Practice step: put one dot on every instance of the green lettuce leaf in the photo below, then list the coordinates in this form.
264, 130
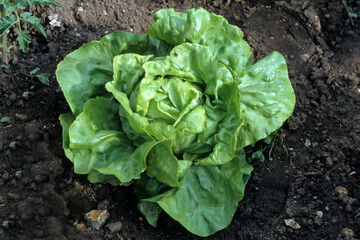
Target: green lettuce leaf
66, 120
98, 143
209, 197
83, 73
266, 97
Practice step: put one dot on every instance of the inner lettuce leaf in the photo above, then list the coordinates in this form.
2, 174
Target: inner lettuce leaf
171, 111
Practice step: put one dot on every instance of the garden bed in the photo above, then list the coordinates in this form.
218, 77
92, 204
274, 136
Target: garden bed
315, 153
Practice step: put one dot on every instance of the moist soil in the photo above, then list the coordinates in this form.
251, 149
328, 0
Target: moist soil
312, 167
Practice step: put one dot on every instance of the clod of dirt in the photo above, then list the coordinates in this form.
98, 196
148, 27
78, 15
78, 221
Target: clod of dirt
292, 223
55, 228
97, 218
25, 210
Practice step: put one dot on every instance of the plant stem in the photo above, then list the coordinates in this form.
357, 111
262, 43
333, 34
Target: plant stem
348, 11
4, 55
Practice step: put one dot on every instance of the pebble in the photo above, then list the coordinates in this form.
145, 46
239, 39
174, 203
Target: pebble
15, 60
12, 97
25, 210
104, 205
29, 159
97, 218
14, 196
80, 226
320, 214
38, 233
307, 143
115, 227
19, 174
341, 191
347, 233
5, 224
12, 145
318, 221
5, 176
304, 57
329, 161
348, 208
292, 223
21, 237
21, 117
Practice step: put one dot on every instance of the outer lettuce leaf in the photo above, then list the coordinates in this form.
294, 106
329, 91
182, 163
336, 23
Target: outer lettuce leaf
147, 188
209, 197
97, 177
99, 144
66, 120
266, 97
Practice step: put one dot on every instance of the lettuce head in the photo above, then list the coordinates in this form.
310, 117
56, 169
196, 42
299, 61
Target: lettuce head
172, 110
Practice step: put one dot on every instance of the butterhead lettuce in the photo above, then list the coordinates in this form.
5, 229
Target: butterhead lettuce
172, 110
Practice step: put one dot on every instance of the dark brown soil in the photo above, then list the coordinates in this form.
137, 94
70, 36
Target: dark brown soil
315, 152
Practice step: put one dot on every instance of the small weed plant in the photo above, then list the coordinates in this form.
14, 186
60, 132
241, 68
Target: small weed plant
13, 12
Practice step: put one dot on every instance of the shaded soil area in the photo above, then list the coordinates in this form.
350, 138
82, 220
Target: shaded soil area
312, 167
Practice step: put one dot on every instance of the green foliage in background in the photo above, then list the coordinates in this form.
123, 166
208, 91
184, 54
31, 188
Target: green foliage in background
10, 15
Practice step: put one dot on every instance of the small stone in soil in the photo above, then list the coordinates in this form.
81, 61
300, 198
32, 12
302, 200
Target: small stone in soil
347, 233
341, 191
292, 223
14, 196
319, 214
97, 218
304, 57
21, 117
12, 145
329, 161
5, 176
5, 224
115, 227
318, 221
80, 226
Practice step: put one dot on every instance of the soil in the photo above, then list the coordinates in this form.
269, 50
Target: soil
312, 169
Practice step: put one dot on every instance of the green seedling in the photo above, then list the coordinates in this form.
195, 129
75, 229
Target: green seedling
257, 155
42, 77
13, 13
4, 119
350, 14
